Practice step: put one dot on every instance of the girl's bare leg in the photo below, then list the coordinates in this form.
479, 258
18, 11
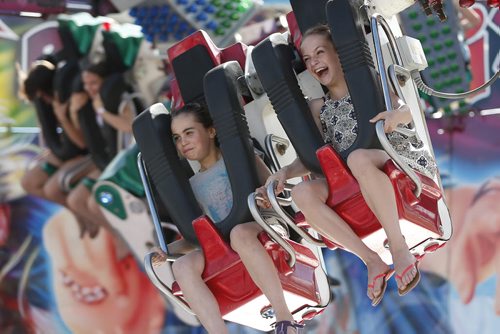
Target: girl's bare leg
33, 181
78, 200
310, 197
77, 203
52, 188
260, 266
187, 272
35, 178
378, 192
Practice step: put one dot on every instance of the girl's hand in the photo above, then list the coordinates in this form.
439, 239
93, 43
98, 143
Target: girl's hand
77, 101
281, 177
60, 110
393, 118
97, 102
262, 199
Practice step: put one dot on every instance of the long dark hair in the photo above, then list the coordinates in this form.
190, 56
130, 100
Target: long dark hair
40, 78
99, 69
200, 113
198, 110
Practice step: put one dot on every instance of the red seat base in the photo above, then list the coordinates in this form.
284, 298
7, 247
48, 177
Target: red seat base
231, 284
346, 200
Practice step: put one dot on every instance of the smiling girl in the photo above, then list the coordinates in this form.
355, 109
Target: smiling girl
335, 117
195, 139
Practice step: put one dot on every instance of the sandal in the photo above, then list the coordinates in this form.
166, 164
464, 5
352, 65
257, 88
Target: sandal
413, 283
282, 327
377, 299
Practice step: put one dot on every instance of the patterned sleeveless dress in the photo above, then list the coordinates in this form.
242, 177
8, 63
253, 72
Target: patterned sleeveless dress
340, 129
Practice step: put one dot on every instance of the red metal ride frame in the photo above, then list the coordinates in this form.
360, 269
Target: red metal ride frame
236, 52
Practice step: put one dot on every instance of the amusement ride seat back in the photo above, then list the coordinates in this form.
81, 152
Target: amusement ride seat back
192, 58
102, 139
58, 141
424, 218
239, 298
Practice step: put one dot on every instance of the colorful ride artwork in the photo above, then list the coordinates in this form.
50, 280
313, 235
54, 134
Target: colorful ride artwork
56, 279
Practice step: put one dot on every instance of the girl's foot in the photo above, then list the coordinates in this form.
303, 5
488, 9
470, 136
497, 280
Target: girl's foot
378, 273
406, 268
288, 327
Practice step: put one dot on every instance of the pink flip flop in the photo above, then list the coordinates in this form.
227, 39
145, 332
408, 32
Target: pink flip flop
413, 283
388, 274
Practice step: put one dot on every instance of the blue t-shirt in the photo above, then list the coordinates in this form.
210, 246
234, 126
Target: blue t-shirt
212, 190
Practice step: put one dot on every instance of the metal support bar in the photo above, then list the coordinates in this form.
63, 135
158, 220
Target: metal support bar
269, 142
149, 196
273, 199
272, 233
377, 19
148, 265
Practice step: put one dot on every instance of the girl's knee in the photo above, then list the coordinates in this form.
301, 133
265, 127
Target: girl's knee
76, 200
72, 201
33, 181
359, 161
357, 158
305, 193
178, 268
243, 234
49, 192
188, 265
300, 192
52, 189
27, 183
